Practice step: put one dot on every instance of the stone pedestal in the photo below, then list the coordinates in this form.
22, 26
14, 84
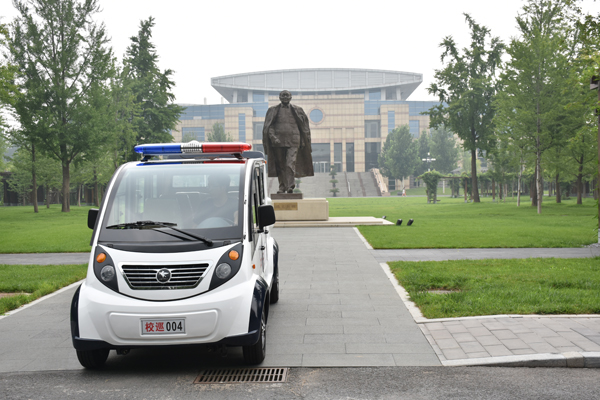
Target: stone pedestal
301, 209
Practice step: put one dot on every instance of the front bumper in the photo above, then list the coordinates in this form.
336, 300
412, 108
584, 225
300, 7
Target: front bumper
103, 319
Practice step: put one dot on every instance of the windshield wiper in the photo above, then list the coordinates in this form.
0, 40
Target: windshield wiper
155, 224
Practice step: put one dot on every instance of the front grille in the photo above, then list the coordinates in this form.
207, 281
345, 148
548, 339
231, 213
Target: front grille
182, 276
238, 375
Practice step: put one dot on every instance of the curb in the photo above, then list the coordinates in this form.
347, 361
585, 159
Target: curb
36, 301
564, 360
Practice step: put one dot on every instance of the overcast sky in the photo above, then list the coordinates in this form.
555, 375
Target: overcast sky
209, 38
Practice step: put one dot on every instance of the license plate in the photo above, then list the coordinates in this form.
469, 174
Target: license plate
163, 326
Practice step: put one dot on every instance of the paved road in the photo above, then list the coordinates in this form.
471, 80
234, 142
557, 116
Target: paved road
171, 381
338, 307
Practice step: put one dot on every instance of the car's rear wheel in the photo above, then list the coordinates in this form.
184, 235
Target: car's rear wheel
255, 354
274, 297
92, 359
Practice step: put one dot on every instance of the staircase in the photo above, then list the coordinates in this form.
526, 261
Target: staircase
362, 184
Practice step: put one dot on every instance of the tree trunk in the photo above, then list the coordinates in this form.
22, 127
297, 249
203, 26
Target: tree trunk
66, 207
474, 189
34, 191
558, 199
540, 188
579, 184
493, 190
466, 188
519, 187
47, 196
78, 195
533, 192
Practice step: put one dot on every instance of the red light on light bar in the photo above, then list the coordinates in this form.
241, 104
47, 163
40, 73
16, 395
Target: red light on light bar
225, 147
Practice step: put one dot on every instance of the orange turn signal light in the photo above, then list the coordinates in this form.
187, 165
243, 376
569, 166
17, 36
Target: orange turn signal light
101, 257
234, 255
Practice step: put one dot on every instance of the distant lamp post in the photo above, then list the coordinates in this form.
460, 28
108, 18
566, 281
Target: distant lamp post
428, 160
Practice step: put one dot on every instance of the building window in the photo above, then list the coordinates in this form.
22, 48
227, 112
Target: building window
391, 184
242, 127
375, 95
337, 156
258, 97
321, 157
414, 128
316, 116
372, 151
372, 129
192, 133
349, 157
390, 94
242, 97
257, 127
391, 120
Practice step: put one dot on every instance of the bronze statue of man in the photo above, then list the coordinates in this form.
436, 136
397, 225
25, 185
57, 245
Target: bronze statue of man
286, 140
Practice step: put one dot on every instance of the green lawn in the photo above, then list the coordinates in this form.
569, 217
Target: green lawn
49, 231
454, 224
490, 287
35, 281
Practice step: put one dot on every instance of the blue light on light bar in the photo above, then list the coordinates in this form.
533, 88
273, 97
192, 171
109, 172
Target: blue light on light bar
158, 149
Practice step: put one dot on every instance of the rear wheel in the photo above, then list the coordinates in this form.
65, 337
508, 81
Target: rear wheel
92, 359
274, 297
255, 354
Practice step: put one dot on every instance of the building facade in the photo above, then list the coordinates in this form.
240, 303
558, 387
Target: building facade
351, 111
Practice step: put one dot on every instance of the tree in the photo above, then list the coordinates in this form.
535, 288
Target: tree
398, 158
424, 151
444, 149
61, 54
218, 134
152, 90
467, 84
535, 89
20, 179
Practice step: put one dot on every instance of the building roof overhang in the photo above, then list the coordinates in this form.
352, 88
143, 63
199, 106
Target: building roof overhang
317, 80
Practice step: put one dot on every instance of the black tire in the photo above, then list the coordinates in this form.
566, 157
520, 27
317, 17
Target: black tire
255, 354
92, 359
274, 297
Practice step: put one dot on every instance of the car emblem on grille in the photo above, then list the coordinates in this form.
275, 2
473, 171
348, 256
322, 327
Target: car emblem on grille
163, 275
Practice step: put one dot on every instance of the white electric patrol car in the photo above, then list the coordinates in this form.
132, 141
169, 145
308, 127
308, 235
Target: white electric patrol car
181, 254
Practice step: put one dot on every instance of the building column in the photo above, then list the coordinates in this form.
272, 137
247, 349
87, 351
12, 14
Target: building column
398, 93
235, 93
383, 95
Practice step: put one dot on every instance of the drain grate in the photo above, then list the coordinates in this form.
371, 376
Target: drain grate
239, 375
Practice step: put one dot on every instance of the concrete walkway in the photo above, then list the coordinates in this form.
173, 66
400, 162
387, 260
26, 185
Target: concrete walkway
339, 306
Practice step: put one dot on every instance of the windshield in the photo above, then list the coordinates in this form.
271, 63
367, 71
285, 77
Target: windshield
202, 199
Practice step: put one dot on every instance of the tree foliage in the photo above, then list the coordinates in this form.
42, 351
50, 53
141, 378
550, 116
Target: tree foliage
151, 89
62, 58
218, 134
399, 158
467, 85
535, 89
444, 149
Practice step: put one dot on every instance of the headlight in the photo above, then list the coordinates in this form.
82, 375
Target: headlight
223, 271
107, 273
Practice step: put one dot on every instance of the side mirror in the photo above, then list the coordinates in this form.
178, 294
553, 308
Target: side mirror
92, 217
266, 216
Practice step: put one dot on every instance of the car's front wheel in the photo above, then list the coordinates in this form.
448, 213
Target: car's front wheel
92, 359
255, 354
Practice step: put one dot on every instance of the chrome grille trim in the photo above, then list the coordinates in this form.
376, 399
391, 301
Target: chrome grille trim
143, 277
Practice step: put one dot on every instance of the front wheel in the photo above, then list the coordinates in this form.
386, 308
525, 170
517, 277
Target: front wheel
92, 359
255, 354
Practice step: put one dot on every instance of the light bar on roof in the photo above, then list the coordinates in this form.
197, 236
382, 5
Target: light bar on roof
192, 147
